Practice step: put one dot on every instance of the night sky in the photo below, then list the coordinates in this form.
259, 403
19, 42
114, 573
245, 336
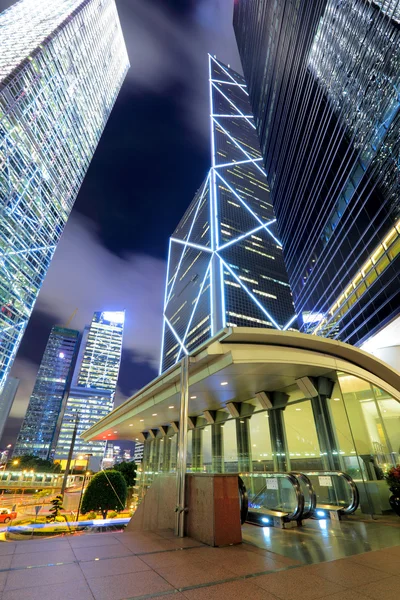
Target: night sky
152, 157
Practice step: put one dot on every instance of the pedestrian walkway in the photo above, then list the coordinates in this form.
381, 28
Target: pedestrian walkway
121, 566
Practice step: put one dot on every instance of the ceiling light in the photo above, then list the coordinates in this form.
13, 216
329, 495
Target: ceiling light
137, 439
154, 415
171, 406
224, 383
337, 399
115, 431
193, 397
130, 424
141, 420
108, 433
298, 408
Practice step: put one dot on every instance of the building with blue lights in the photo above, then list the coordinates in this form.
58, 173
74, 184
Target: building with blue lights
324, 87
39, 428
225, 266
61, 67
94, 381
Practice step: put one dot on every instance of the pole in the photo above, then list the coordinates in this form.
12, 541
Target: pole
83, 485
70, 453
182, 448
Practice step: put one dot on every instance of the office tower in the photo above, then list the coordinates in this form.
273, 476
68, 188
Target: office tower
225, 264
39, 426
61, 67
7, 397
324, 81
91, 395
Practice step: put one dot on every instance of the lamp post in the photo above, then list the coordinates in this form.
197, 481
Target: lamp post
83, 485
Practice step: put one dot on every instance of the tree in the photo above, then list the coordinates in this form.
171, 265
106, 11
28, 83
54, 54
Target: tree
30, 462
56, 508
128, 471
106, 491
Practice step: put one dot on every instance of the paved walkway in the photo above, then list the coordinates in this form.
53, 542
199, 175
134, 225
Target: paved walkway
153, 565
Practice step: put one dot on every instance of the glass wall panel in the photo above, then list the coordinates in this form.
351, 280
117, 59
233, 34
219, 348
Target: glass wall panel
373, 444
173, 450
390, 414
301, 436
262, 459
189, 456
230, 447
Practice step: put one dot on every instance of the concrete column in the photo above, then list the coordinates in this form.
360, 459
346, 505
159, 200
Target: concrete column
182, 448
217, 447
278, 440
197, 449
243, 444
166, 461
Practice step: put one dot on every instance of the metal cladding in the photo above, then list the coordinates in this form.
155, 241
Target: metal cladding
324, 84
61, 67
225, 264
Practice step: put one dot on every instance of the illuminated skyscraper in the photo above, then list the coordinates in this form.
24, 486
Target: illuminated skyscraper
61, 67
39, 427
225, 264
91, 395
7, 398
324, 81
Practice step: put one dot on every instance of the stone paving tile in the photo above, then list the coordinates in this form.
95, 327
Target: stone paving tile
194, 573
94, 539
113, 566
7, 548
349, 594
24, 578
130, 585
31, 559
5, 561
41, 545
345, 572
72, 590
103, 551
296, 585
3, 579
234, 590
386, 589
144, 547
383, 561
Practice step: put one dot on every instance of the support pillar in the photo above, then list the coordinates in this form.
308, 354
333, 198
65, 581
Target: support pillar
278, 440
323, 421
243, 444
217, 448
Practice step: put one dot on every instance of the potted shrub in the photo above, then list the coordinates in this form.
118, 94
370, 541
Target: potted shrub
393, 480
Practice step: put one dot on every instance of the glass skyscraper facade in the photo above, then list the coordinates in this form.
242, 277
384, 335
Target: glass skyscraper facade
7, 398
61, 67
324, 80
225, 266
39, 428
91, 395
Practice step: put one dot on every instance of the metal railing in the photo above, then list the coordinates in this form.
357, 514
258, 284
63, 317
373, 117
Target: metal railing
345, 507
265, 498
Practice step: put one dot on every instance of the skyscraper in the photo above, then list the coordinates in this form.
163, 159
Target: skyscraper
7, 397
324, 82
39, 426
61, 67
91, 395
225, 264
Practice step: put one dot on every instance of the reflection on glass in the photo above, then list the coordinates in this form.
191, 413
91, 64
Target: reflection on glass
230, 447
302, 438
261, 450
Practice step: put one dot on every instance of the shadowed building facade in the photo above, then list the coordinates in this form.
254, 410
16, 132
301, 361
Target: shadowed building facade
61, 67
323, 80
225, 264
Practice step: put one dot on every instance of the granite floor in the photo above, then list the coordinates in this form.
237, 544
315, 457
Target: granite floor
121, 566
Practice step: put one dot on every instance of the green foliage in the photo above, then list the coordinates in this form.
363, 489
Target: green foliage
42, 494
27, 462
56, 508
92, 515
112, 514
106, 491
128, 471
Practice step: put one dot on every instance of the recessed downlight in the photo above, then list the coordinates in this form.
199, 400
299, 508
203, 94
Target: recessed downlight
154, 415
141, 420
115, 431
224, 383
130, 424
298, 408
193, 397
171, 406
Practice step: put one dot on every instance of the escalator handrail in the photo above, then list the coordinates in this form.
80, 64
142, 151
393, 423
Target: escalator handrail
297, 513
312, 495
244, 504
355, 496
